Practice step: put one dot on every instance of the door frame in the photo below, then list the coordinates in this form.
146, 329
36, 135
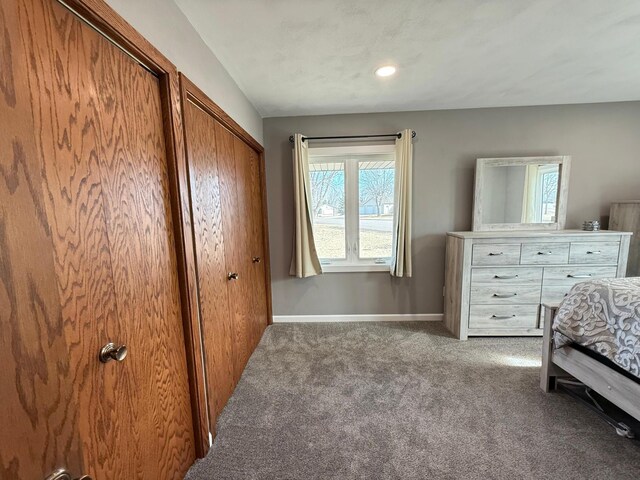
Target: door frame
100, 16
190, 92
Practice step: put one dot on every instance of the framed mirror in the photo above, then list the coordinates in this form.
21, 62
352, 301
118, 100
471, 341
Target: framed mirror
521, 193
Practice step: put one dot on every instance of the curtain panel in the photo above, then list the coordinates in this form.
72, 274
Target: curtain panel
304, 260
401, 249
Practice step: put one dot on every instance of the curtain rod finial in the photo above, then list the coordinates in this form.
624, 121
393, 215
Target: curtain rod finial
291, 138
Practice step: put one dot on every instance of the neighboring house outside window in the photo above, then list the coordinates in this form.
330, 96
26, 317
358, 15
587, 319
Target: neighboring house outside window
352, 191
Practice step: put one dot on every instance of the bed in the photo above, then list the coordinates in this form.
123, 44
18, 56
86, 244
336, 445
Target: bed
594, 336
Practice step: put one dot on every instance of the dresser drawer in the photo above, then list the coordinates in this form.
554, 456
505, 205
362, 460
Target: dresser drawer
594, 252
496, 254
503, 316
569, 276
505, 275
544, 253
505, 295
554, 294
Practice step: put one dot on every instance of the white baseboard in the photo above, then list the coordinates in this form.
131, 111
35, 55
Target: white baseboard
393, 317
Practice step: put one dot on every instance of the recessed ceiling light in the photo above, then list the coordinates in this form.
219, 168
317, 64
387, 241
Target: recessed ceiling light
386, 71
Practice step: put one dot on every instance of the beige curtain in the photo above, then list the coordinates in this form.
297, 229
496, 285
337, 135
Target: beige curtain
529, 194
304, 260
401, 260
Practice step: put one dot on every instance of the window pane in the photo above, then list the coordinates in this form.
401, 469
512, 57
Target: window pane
549, 196
375, 189
328, 202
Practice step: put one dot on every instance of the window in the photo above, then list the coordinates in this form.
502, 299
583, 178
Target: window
540, 197
352, 191
548, 186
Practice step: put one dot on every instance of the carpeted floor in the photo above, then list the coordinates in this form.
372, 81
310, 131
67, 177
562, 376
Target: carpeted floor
405, 401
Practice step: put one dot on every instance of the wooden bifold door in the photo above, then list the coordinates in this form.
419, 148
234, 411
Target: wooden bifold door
226, 184
88, 253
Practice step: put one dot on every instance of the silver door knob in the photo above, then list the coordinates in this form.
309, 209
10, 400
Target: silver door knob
232, 276
111, 351
62, 474
256, 259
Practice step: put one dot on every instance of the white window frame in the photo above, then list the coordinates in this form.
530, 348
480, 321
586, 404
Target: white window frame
352, 262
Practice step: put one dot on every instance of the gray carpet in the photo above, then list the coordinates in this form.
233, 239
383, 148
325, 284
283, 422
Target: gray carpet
405, 401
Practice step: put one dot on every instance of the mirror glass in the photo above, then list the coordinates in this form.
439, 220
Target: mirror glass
520, 193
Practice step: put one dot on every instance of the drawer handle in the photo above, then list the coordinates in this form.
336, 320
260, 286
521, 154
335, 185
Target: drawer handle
505, 277
495, 254
502, 317
593, 252
545, 253
588, 275
505, 295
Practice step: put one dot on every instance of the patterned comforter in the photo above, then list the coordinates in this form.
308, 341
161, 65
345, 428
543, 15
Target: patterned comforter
604, 316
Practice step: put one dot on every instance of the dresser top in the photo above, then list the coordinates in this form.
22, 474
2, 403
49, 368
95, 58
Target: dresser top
536, 233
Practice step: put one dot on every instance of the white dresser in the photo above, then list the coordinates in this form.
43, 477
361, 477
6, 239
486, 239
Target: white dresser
495, 282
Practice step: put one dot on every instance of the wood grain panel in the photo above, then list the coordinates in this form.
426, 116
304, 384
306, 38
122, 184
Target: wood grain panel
200, 98
68, 145
115, 27
261, 316
187, 276
265, 236
226, 193
217, 323
245, 226
625, 217
503, 316
505, 294
594, 252
155, 432
38, 422
495, 254
505, 275
235, 247
89, 212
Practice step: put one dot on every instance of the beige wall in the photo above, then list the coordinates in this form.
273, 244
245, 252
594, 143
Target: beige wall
603, 139
167, 28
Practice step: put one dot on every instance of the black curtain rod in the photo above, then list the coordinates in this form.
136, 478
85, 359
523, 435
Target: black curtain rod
347, 137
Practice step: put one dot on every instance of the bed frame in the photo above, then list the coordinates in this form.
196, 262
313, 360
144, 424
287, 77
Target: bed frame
567, 361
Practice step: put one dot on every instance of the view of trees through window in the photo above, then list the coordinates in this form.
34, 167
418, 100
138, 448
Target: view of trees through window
549, 183
352, 202
329, 203
375, 188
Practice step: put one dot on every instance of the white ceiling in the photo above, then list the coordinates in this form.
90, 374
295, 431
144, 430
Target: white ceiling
307, 57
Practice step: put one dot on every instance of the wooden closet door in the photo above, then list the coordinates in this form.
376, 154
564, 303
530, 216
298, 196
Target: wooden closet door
236, 246
259, 247
38, 410
149, 392
216, 320
250, 197
90, 258
244, 230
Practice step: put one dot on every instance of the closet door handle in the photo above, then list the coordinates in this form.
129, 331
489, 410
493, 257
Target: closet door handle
256, 259
232, 276
505, 295
111, 351
62, 474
